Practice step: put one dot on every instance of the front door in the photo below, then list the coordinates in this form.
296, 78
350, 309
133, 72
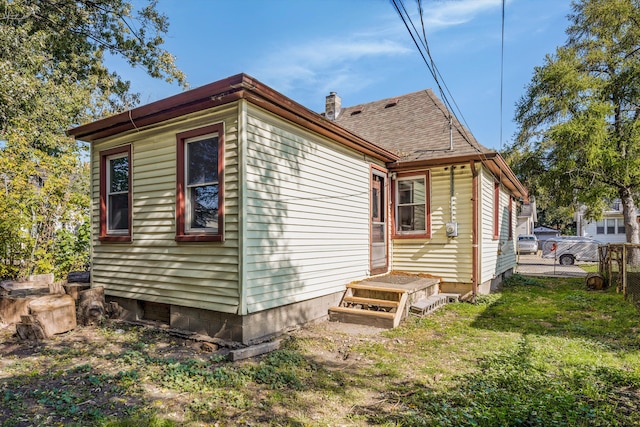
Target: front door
378, 250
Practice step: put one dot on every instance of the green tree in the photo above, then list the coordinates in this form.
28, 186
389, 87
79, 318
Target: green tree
579, 129
53, 76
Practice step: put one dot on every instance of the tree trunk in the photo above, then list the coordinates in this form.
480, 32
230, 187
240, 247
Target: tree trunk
630, 225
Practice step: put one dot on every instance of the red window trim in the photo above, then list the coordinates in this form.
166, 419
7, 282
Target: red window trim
181, 235
496, 210
103, 235
399, 235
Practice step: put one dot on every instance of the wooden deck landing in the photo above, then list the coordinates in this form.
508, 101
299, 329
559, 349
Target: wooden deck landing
382, 301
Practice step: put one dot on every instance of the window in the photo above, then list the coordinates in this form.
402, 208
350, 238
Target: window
115, 195
610, 226
412, 206
199, 191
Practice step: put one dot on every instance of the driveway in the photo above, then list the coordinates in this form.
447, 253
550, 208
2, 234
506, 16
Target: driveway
534, 265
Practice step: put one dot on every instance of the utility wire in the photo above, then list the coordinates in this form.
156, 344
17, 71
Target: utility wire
435, 73
501, 72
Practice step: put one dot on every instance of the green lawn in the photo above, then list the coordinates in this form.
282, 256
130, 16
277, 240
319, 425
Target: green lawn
544, 352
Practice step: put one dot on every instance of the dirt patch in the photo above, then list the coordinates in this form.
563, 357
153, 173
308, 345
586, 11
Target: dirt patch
119, 370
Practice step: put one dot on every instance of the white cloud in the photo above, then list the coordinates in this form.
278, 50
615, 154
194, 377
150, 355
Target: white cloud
302, 64
309, 69
450, 13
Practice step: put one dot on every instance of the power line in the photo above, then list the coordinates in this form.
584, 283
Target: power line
431, 66
501, 72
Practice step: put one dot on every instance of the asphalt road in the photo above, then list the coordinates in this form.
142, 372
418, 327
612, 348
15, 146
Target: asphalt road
534, 265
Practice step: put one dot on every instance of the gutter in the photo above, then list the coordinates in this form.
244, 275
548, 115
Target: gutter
226, 91
492, 160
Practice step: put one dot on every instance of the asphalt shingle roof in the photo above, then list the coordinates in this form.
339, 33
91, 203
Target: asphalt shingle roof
414, 126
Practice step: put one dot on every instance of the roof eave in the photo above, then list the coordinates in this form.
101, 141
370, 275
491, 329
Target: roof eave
240, 86
492, 160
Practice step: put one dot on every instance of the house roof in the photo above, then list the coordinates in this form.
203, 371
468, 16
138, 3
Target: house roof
420, 118
419, 129
234, 88
543, 229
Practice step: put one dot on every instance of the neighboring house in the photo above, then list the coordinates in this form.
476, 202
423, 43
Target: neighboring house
234, 211
609, 229
527, 217
545, 233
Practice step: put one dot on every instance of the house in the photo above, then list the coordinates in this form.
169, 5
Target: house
609, 229
545, 233
527, 217
234, 211
453, 201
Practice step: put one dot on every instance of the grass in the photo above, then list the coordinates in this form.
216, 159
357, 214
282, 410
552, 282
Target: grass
591, 267
543, 352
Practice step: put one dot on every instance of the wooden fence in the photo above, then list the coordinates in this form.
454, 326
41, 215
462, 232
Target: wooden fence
620, 265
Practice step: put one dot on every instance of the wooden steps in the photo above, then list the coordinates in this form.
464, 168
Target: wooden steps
382, 307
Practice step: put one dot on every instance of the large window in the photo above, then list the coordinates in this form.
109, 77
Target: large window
412, 206
115, 194
610, 226
199, 194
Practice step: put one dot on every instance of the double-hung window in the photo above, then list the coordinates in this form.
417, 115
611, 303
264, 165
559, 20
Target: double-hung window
199, 192
115, 194
412, 217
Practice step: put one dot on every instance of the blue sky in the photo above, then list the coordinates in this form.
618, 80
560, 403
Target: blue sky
362, 50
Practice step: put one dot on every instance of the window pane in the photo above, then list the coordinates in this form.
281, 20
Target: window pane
600, 227
204, 207
119, 175
411, 218
419, 217
377, 231
611, 226
202, 161
118, 215
621, 229
419, 193
405, 192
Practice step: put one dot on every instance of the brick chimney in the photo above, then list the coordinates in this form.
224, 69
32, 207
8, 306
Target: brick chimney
332, 106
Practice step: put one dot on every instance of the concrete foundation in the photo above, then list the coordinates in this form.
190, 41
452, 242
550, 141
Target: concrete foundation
248, 329
494, 284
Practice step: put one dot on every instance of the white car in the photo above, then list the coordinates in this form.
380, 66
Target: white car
527, 244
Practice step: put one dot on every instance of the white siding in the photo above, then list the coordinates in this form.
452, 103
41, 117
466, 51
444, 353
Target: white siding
306, 213
590, 230
154, 267
496, 255
441, 256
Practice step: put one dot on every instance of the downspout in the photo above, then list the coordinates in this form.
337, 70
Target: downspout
474, 232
